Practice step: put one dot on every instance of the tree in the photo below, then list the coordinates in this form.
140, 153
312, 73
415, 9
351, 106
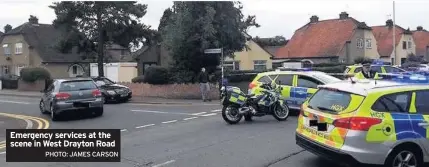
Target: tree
7, 28
198, 25
275, 41
165, 19
93, 24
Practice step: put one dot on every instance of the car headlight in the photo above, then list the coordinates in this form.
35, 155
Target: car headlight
111, 92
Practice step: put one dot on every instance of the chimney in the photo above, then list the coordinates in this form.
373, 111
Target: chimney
33, 20
419, 28
314, 19
344, 15
389, 23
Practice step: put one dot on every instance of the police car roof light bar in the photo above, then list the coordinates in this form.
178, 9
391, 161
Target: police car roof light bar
413, 78
378, 62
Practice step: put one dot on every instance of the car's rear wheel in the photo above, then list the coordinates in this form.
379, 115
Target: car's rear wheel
99, 112
54, 115
42, 107
404, 157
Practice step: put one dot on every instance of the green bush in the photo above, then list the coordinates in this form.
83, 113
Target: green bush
138, 79
31, 74
156, 75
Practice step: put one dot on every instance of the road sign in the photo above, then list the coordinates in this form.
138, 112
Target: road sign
213, 51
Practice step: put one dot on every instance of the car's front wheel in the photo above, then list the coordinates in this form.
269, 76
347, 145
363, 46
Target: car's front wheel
99, 112
42, 107
54, 114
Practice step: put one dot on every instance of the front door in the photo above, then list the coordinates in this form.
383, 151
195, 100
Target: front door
421, 121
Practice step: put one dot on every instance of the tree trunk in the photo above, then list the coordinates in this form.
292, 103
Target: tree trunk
100, 59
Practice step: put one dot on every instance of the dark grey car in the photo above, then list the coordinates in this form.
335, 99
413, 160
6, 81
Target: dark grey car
74, 94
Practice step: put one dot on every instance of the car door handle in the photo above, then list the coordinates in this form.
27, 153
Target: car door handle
424, 124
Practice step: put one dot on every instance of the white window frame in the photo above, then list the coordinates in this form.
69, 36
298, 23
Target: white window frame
259, 64
231, 64
409, 43
368, 43
6, 49
359, 43
18, 48
18, 69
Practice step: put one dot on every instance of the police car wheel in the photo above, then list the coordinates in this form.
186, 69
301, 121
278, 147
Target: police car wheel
404, 157
231, 114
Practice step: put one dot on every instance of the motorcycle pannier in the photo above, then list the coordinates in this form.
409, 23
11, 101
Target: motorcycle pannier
236, 96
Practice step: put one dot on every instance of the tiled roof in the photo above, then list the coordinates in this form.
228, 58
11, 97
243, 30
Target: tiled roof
384, 37
272, 49
421, 38
319, 39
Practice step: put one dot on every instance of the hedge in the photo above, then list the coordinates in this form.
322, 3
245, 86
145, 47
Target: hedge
31, 74
156, 75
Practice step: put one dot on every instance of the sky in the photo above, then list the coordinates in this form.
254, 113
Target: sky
276, 17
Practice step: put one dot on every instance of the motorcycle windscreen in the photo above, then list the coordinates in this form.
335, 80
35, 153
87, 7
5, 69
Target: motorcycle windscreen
318, 114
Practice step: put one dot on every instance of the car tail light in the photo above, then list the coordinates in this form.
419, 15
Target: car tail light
62, 96
252, 85
357, 123
96, 93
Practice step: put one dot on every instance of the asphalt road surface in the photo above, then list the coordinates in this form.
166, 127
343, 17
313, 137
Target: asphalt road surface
179, 136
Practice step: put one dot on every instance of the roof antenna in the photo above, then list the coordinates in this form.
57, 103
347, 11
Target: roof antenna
351, 79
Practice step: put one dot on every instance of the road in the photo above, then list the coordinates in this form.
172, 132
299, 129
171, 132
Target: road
179, 136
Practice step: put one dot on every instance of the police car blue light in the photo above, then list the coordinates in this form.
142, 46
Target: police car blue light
378, 62
413, 78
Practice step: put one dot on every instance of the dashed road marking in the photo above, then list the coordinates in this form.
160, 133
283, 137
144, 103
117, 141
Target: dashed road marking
165, 163
123, 130
138, 127
218, 110
16, 102
208, 115
190, 118
199, 113
166, 122
161, 112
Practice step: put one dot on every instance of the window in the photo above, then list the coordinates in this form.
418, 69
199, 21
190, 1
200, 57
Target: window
390, 69
77, 85
307, 82
18, 48
359, 43
231, 65
376, 69
398, 102
422, 106
260, 65
265, 79
368, 43
284, 79
5, 69
6, 49
409, 44
358, 69
18, 70
332, 101
74, 69
103, 81
404, 45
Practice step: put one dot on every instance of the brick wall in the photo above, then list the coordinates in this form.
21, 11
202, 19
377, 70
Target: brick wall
171, 91
31, 86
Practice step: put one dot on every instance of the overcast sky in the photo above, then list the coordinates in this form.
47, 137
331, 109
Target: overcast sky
276, 17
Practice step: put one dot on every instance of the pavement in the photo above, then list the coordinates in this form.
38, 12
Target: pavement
169, 135
135, 99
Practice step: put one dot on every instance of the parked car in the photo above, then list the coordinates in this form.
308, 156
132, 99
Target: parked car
112, 91
67, 95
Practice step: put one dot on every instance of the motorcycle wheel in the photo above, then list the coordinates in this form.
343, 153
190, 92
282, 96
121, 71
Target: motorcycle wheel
280, 113
231, 115
248, 117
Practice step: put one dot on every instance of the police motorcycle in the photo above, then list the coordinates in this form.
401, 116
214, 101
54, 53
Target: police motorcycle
237, 104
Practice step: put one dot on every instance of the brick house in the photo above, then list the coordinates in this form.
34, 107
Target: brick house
404, 42
335, 40
421, 39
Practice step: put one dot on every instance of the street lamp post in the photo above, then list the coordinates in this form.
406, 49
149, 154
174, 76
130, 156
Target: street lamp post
217, 51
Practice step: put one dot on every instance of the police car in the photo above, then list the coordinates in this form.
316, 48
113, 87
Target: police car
382, 122
297, 85
376, 67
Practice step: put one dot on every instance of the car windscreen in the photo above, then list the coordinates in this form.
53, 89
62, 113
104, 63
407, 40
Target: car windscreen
68, 86
334, 101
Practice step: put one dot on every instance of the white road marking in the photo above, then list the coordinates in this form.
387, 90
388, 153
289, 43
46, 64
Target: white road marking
16, 102
189, 118
138, 127
123, 130
4, 152
160, 112
218, 110
166, 122
199, 113
208, 115
165, 163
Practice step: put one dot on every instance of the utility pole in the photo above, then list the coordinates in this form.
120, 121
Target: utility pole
394, 37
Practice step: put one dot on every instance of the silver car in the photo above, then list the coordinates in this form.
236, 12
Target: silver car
65, 95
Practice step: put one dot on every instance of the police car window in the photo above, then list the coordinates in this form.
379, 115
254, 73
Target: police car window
358, 69
330, 100
307, 82
264, 79
393, 103
376, 69
392, 69
422, 105
284, 79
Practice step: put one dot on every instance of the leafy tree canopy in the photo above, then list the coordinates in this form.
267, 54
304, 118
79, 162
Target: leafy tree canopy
275, 41
194, 26
7, 28
90, 25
